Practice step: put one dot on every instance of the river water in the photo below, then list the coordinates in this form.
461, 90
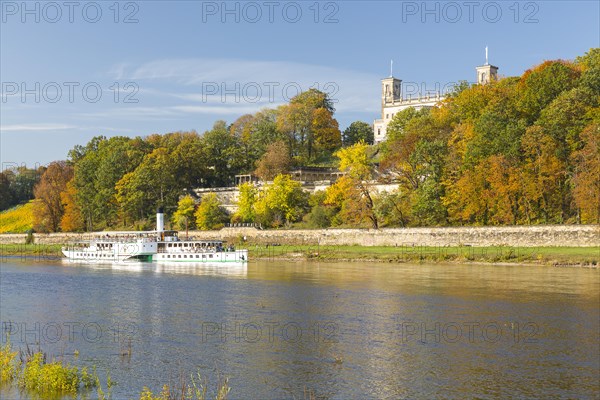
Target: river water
336, 331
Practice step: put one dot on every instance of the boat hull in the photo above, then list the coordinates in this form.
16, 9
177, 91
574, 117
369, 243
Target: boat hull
221, 257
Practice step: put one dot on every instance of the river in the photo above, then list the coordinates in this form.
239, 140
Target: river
288, 330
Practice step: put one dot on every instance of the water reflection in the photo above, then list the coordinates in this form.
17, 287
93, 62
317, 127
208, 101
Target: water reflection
341, 330
232, 270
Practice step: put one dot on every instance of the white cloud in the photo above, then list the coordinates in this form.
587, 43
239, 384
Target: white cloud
277, 81
35, 127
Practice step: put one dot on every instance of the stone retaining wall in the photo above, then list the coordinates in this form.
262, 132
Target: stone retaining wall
522, 236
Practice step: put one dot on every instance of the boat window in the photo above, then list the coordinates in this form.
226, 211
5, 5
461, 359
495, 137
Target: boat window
210, 256
180, 256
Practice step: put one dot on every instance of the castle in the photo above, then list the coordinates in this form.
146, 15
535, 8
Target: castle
392, 100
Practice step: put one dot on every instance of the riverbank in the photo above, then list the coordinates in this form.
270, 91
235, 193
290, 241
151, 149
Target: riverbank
473, 236
554, 256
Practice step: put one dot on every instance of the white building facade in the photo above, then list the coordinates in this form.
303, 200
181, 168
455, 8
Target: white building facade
392, 100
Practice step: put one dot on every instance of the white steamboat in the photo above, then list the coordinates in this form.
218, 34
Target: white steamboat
159, 246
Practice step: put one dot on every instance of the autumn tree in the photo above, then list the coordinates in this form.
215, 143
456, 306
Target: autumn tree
48, 205
355, 161
275, 161
543, 177
308, 123
586, 181
210, 214
326, 131
281, 202
72, 219
184, 215
248, 194
346, 202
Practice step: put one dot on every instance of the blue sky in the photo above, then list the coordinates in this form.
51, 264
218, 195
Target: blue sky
71, 72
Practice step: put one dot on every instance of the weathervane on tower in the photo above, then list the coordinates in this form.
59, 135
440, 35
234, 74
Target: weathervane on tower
391, 68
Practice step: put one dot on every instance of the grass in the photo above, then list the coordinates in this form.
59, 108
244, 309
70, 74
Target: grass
18, 219
31, 250
194, 389
537, 255
32, 373
494, 254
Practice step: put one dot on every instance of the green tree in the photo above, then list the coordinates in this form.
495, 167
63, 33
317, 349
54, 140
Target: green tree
395, 128
542, 84
224, 155
248, 194
210, 214
281, 203
6, 194
320, 215
184, 215
358, 131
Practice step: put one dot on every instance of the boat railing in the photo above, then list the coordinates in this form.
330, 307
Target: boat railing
115, 240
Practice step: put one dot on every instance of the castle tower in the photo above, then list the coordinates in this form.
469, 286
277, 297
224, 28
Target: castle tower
390, 92
486, 73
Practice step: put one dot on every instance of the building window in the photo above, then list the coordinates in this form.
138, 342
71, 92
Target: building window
387, 116
378, 132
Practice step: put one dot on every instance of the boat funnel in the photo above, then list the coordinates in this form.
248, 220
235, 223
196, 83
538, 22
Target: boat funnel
160, 220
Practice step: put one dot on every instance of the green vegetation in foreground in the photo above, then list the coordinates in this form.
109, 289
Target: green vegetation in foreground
195, 390
539, 255
18, 219
57, 379
33, 373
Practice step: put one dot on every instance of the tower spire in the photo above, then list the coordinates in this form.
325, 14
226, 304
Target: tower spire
391, 68
486, 55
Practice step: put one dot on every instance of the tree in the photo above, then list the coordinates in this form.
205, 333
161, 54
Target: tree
248, 194
355, 161
543, 177
347, 202
586, 182
320, 215
184, 216
393, 208
309, 111
358, 131
72, 219
275, 161
6, 194
151, 184
48, 205
210, 214
326, 131
281, 203
395, 128
224, 155
542, 84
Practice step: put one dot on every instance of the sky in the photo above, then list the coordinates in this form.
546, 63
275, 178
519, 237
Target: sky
72, 70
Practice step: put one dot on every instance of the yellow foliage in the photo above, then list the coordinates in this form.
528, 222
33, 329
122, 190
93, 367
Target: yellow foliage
18, 219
